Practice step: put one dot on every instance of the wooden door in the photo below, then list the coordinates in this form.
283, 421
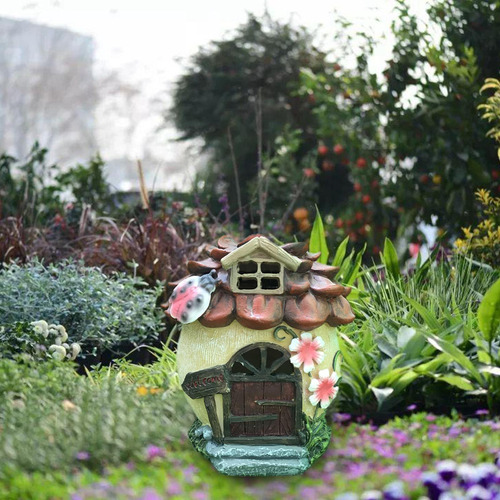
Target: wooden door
263, 394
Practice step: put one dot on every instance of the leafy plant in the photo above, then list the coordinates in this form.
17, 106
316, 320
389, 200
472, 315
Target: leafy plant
418, 336
483, 241
99, 312
53, 419
491, 110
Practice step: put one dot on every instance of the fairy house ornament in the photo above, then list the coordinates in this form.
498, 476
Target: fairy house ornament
258, 354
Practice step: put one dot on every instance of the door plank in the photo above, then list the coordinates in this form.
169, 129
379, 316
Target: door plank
253, 392
237, 407
287, 420
272, 391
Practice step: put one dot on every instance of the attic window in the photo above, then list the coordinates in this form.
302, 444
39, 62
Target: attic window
255, 276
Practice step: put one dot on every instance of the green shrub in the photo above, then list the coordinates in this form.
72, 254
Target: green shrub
98, 312
52, 419
418, 340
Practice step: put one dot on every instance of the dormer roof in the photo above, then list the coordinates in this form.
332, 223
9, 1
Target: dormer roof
260, 244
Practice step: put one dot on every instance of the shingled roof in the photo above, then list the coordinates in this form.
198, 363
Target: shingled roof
310, 299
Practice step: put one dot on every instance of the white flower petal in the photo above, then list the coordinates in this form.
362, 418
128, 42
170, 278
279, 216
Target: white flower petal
314, 385
319, 357
325, 403
314, 399
334, 377
306, 336
324, 374
308, 366
319, 342
294, 345
295, 361
335, 392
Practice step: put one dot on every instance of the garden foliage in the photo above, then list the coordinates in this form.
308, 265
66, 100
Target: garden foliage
53, 419
98, 312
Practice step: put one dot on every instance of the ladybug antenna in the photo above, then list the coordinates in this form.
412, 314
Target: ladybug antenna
208, 281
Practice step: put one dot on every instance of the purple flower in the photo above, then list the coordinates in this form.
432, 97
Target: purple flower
189, 472
434, 484
153, 452
447, 469
82, 455
487, 474
394, 491
430, 418
150, 494
199, 495
477, 492
174, 488
482, 412
412, 407
308, 493
341, 417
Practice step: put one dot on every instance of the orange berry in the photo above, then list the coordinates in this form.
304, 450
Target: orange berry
322, 150
304, 225
300, 213
327, 165
338, 149
361, 162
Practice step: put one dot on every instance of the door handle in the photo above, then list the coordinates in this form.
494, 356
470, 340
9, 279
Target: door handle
272, 402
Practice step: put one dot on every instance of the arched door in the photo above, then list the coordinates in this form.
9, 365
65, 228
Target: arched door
265, 395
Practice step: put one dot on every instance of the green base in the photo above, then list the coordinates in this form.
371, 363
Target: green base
258, 460
265, 460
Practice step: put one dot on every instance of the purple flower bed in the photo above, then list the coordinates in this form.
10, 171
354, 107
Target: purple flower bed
408, 458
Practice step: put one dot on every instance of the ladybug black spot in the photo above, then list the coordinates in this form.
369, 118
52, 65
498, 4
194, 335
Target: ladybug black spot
199, 298
174, 295
189, 304
184, 317
183, 289
190, 282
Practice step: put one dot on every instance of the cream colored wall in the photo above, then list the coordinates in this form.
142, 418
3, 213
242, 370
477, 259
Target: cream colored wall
201, 347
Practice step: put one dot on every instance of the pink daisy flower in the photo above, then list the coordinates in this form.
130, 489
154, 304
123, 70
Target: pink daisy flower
308, 351
324, 389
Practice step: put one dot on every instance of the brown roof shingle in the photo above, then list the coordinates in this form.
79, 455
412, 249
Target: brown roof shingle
310, 299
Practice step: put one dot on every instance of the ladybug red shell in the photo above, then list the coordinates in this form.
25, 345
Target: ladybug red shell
191, 297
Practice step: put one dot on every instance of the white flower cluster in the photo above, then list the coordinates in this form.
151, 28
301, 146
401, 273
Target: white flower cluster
60, 349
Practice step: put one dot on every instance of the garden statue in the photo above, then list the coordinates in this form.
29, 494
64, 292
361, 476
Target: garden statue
258, 355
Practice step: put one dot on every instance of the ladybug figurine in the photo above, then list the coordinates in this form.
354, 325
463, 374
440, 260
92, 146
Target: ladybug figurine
191, 297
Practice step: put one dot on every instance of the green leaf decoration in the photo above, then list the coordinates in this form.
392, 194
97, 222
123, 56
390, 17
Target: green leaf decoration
391, 259
488, 314
317, 242
340, 253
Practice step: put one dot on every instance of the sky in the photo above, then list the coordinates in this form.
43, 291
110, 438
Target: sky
150, 41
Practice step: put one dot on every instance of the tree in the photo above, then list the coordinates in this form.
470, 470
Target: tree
258, 67
47, 91
440, 129
412, 142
